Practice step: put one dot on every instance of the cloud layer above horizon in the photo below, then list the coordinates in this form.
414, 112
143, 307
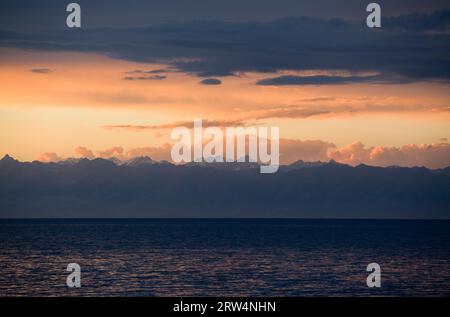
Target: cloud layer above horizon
408, 48
313, 69
433, 156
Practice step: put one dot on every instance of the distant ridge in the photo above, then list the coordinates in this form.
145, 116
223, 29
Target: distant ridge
8, 160
138, 161
142, 160
143, 187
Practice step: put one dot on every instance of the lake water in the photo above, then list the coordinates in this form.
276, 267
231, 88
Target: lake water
224, 257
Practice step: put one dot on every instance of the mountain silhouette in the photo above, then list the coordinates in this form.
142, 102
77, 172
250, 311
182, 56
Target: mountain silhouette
139, 161
145, 188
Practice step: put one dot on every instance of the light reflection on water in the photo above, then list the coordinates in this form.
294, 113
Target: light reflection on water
224, 257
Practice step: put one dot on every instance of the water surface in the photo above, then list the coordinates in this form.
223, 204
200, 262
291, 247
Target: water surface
232, 257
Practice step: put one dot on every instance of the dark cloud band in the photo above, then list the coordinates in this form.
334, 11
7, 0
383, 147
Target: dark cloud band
411, 47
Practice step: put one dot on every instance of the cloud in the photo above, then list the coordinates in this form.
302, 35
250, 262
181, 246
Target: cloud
317, 99
115, 151
119, 98
83, 152
157, 153
142, 12
340, 107
154, 77
437, 21
329, 80
41, 70
435, 155
302, 111
152, 71
127, 97
187, 124
291, 112
49, 157
306, 150
410, 47
353, 154
210, 81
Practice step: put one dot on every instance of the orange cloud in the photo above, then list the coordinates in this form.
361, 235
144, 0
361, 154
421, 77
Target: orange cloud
116, 151
187, 124
431, 156
83, 152
158, 153
353, 154
49, 157
307, 150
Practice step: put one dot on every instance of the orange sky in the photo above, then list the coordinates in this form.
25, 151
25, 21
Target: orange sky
71, 105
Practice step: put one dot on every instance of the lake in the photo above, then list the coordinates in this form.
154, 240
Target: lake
224, 257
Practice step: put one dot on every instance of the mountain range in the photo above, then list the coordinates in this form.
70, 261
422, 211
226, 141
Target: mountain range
142, 187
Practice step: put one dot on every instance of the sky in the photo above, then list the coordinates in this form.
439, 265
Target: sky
337, 89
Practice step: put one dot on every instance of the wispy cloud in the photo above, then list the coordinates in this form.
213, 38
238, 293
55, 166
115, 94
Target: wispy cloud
210, 81
153, 77
330, 80
187, 124
152, 71
41, 70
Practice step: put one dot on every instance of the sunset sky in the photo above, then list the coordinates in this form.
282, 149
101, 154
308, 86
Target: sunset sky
336, 89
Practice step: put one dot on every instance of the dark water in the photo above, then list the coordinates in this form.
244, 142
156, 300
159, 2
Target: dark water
224, 257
